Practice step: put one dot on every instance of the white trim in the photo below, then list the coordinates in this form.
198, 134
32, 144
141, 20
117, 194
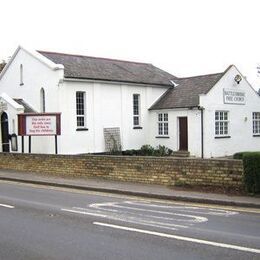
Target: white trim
11, 102
222, 121
35, 55
138, 108
163, 122
84, 116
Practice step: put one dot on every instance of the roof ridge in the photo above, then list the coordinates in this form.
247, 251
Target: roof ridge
93, 57
212, 74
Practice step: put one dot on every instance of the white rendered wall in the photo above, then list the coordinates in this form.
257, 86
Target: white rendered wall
240, 118
107, 105
36, 75
194, 130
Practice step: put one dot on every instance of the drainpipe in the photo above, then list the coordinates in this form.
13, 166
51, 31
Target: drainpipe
202, 130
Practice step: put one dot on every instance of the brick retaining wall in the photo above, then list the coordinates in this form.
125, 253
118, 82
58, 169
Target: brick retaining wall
155, 170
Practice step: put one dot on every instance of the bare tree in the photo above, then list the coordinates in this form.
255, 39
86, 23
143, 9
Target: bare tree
2, 65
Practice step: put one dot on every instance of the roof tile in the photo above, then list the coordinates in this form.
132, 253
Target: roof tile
85, 67
186, 93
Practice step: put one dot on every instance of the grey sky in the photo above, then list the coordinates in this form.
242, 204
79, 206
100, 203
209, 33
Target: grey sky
184, 37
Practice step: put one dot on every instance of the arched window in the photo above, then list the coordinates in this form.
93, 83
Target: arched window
42, 100
21, 74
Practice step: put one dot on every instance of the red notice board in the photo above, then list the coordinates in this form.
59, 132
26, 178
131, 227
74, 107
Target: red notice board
39, 124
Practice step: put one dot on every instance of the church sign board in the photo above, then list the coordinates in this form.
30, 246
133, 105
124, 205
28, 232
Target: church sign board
232, 96
37, 124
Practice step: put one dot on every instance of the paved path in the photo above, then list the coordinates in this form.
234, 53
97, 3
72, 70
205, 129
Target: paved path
145, 190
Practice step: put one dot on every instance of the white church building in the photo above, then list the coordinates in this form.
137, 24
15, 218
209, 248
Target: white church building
108, 104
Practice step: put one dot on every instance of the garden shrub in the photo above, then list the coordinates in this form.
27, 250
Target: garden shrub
251, 162
163, 151
148, 150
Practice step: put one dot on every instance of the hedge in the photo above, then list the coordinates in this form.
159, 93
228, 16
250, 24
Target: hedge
251, 161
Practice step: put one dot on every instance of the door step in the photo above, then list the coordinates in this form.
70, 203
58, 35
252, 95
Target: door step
181, 154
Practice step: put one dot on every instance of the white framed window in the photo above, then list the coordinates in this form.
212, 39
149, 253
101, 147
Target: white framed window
221, 123
256, 123
136, 110
81, 109
21, 75
163, 124
42, 100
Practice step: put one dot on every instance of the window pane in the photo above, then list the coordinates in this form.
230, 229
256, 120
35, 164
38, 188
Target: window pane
221, 128
136, 120
221, 116
166, 128
225, 116
217, 128
160, 128
80, 121
216, 116
256, 122
159, 117
136, 104
80, 108
221, 123
225, 128
165, 117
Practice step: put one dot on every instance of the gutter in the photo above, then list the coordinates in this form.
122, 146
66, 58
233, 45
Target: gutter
202, 129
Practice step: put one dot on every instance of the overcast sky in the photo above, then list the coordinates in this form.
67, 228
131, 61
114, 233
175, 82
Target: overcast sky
183, 37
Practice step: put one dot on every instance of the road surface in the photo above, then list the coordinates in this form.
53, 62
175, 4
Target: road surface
38, 222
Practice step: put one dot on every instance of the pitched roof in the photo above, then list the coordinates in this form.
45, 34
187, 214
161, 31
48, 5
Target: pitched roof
186, 93
27, 107
84, 67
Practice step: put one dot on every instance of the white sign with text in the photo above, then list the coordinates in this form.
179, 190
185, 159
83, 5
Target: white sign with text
232, 96
41, 125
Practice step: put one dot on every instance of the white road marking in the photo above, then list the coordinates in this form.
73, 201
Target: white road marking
133, 221
7, 206
143, 213
186, 218
188, 239
125, 218
85, 213
200, 210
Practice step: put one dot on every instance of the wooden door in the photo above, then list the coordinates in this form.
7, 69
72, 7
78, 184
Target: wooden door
183, 134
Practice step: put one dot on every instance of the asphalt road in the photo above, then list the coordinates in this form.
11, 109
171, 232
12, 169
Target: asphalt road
53, 223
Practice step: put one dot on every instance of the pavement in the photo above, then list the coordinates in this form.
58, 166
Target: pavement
129, 188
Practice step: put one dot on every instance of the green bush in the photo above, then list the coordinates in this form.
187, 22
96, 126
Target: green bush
240, 155
162, 151
251, 162
148, 150
129, 152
